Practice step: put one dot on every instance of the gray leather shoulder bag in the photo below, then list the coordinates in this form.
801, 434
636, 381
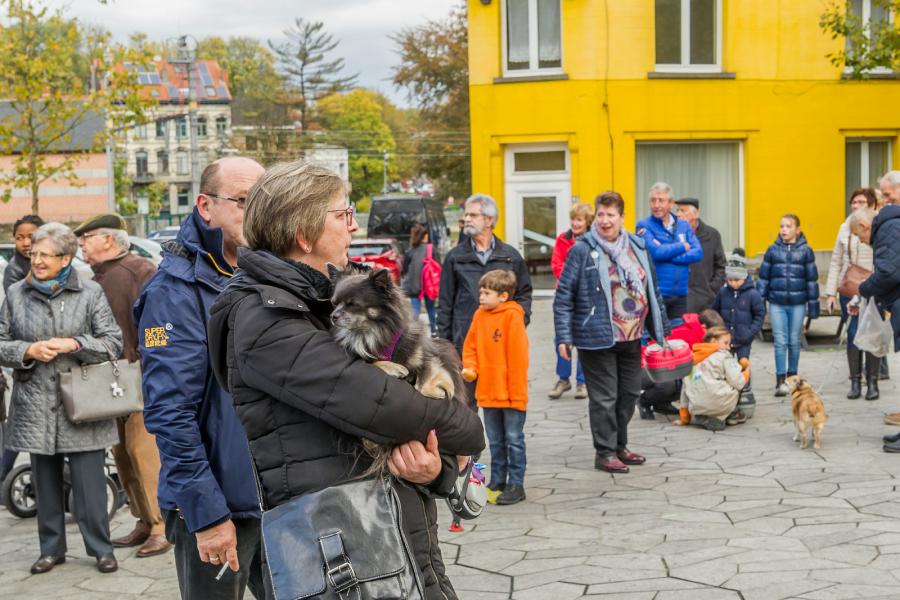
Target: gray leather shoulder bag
101, 391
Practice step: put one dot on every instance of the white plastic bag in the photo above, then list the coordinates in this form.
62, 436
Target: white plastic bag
874, 334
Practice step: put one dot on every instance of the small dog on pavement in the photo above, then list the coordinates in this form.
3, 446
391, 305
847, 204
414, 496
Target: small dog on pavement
808, 409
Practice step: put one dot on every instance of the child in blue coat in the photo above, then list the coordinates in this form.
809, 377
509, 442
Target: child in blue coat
740, 305
789, 281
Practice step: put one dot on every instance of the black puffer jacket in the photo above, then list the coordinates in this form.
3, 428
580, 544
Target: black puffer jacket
305, 403
884, 282
788, 275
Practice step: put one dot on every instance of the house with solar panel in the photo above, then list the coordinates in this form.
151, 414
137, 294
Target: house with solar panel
160, 151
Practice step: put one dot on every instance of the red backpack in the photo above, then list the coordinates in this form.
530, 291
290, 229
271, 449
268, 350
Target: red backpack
431, 275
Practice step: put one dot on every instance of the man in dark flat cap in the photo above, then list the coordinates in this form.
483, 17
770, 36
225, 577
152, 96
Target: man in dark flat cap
707, 275
104, 243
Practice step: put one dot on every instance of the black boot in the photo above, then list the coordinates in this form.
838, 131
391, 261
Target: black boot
884, 372
854, 360
872, 369
645, 409
780, 387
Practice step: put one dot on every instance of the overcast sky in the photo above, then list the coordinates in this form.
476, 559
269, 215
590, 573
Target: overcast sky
362, 26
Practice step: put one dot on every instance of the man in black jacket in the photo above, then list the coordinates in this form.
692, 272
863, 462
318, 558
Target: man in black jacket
467, 262
708, 275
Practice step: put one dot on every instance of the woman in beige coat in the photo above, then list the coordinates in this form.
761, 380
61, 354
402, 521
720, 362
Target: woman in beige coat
849, 250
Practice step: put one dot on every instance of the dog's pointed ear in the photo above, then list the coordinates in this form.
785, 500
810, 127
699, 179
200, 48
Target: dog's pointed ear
333, 272
381, 278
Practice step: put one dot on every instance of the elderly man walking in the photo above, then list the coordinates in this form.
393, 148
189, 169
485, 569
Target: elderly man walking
479, 253
206, 490
707, 276
672, 245
105, 246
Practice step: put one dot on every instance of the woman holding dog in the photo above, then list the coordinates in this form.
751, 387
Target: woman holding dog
850, 250
606, 295
305, 403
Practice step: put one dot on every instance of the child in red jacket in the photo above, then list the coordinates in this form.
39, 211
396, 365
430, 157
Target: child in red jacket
496, 353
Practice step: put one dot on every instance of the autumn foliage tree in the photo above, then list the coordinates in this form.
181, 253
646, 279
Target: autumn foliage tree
434, 72
56, 76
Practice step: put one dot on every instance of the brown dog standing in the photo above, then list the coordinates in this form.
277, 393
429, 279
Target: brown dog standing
808, 410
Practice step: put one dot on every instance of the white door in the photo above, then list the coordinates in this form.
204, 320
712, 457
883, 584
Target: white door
538, 199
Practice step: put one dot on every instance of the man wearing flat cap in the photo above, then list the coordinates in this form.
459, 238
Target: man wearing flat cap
121, 274
708, 274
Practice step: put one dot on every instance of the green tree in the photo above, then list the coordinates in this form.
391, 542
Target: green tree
304, 63
434, 72
56, 77
356, 120
869, 45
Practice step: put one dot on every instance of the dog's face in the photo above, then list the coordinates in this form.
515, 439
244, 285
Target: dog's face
796, 382
361, 298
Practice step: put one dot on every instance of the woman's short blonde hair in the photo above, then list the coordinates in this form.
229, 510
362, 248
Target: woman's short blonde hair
290, 198
580, 210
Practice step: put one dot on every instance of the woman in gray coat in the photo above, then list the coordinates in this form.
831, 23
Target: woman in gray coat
53, 321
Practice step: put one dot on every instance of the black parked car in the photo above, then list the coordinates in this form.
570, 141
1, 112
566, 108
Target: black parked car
393, 216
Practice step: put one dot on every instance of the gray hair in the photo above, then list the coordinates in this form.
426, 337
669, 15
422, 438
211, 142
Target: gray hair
119, 237
60, 236
892, 177
488, 205
861, 215
663, 188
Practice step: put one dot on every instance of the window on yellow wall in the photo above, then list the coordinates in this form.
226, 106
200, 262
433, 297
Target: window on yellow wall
688, 35
866, 160
873, 15
532, 37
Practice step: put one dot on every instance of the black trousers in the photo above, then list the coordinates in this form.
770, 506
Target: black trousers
197, 579
613, 378
676, 306
89, 495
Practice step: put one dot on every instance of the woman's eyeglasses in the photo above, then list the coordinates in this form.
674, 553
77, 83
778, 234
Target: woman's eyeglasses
348, 215
39, 256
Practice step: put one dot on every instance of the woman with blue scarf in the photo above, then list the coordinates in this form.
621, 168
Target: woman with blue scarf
53, 321
606, 293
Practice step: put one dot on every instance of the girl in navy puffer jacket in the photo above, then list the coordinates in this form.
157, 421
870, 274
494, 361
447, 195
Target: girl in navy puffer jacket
789, 280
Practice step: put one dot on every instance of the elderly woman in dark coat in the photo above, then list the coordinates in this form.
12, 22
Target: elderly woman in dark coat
304, 402
51, 322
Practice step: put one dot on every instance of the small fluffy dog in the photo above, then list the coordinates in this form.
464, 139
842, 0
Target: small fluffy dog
808, 409
373, 320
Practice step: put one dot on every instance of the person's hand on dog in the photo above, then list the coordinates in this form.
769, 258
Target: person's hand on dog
415, 462
469, 375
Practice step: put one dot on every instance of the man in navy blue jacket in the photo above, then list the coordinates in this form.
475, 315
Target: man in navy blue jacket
206, 490
672, 245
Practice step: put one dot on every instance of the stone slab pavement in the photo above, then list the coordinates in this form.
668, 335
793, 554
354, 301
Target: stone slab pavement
740, 514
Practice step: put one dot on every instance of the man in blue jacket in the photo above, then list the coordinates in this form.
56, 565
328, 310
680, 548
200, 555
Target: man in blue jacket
672, 245
206, 490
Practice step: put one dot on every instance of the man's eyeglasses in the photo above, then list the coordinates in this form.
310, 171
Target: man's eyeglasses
85, 236
38, 256
348, 214
242, 202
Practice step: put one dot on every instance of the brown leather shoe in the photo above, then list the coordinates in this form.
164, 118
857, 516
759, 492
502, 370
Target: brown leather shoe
610, 464
630, 458
107, 564
155, 544
45, 564
138, 536
892, 419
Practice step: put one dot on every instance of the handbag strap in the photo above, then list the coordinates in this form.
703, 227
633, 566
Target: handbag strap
338, 569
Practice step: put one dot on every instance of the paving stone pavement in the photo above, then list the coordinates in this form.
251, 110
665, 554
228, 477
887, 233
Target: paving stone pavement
740, 514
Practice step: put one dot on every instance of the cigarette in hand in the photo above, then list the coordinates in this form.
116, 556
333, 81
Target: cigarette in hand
222, 572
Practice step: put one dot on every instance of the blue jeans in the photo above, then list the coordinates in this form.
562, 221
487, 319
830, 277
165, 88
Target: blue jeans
506, 437
429, 308
852, 322
787, 325
564, 367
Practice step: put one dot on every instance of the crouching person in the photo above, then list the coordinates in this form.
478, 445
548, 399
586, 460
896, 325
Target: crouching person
711, 392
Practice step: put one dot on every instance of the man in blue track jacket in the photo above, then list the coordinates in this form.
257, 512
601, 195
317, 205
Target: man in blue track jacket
673, 246
206, 485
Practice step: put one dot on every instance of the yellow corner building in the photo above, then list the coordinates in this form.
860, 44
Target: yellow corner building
734, 102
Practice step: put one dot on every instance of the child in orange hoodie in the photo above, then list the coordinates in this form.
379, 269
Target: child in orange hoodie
496, 353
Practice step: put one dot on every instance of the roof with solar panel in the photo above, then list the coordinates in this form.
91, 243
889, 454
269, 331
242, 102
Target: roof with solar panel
168, 82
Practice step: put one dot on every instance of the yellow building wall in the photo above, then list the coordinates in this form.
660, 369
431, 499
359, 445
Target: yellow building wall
787, 104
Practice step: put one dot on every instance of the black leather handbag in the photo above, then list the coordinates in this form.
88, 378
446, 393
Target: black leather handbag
339, 543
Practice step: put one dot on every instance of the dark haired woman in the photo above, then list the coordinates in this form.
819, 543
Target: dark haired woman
789, 280
850, 250
411, 272
606, 292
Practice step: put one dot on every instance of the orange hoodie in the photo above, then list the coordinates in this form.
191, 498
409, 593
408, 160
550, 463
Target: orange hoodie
496, 348
704, 350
